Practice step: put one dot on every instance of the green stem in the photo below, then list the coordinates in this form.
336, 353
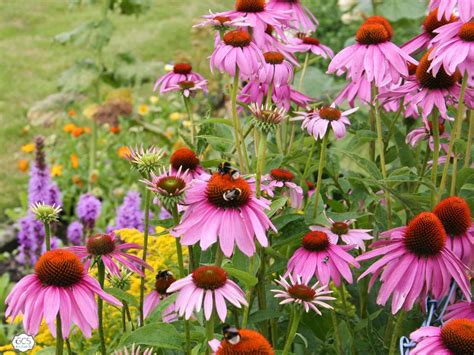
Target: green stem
262, 146
47, 236
344, 302
423, 167
235, 119
294, 322
434, 168
383, 168
457, 123
92, 152
269, 94
308, 162
68, 347
322, 163
59, 336
209, 331
337, 335
100, 306
248, 295
262, 300
192, 261
219, 256
470, 133
247, 132
187, 104
144, 255
396, 333
303, 71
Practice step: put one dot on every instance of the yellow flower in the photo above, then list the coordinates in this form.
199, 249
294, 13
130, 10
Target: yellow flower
187, 124
28, 148
57, 170
123, 151
121, 94
143, 109
175, 116
154, 99
169, 67
74, 161
69, 127
169, 133
90, 110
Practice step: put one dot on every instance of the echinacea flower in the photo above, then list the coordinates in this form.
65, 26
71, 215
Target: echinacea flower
282, 178
415, 263
273, 44
319, 256
60, 285
343, 230
275, 69
163, 281
430, 24
169, 186
453, 49
374, 56
241, 341
45, 213
112, 253
463, 309
318, 122
208, 288
306, 44
237, 51
188, 87
186, 160
454, 337
455, 215
266, 117
218, 202
301, 16
426, 91
446, 8
145, 160
297, 291
425, 133
180, 72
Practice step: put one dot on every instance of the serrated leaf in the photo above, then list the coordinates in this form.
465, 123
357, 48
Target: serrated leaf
364, 164
160, 335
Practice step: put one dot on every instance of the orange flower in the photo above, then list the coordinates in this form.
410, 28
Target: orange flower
74, 161
87, 129
115, 130
72, 113
77, 132
123, 152
28, 148
23, 165
76, 180
69, 127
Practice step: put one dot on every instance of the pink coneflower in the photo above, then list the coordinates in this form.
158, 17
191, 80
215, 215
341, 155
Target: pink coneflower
280, 178
275, 70
111, 251
255, 14
164, 279
181, 72
373, 56
282, 96
317, 122
273, 44
60, 285
187, 87
430, 24
237, 50
455, 215
461, 309
186, 160
454, 337
415, 263
207, 287
319, 256
453, 49
343, 230
301, 16
426, 133
427, 92
218, 203
304, 44
446, 8
297, 291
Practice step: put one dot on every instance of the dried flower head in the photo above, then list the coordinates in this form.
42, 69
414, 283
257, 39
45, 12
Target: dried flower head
45, 213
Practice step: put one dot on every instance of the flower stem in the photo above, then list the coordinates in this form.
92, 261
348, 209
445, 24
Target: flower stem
262, 146
248, 295
92, 152
68, 346
423, 168
210, 331
47, 236
470, 133
308, 162
337, 335
396, 333
457, 123
235, 119
219, 256
294, 322
187, 104
434, 168
59, 336
145, 250
100, 306
383, 168
322, 163
303, 71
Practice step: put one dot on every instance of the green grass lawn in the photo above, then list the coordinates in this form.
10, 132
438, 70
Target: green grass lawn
31, 61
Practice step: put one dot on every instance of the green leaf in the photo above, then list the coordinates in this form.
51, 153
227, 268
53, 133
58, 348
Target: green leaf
122, 295
308, 213
248, 279
79, 77
157, 313
467, 193
263, 315
276, 205
364, 164
160, 335
395, 10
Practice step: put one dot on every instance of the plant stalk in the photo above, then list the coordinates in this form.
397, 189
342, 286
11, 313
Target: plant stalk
322, 164
145, 250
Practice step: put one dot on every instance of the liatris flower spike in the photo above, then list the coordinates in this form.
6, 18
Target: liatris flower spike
207, 287
415, 263
88, 210
454, 337
60, 285
108, 248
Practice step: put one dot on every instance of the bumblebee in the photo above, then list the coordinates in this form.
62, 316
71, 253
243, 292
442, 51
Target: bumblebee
232, 194
231, 334
226, 168
163, 274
